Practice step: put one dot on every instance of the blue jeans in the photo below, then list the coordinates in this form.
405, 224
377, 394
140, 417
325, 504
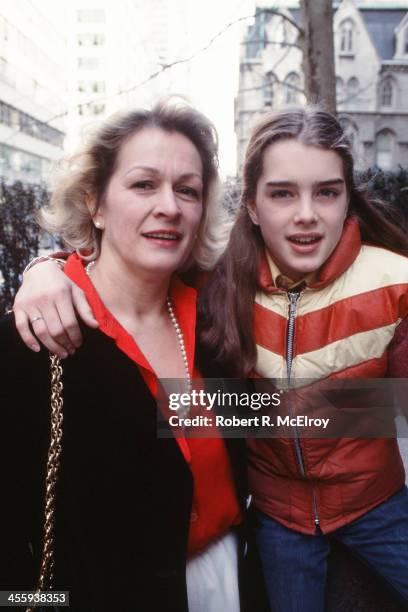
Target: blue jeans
295, 565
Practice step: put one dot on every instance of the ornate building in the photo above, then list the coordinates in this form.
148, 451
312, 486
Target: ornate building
371, 54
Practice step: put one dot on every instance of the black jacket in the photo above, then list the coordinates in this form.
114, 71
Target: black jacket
124, 497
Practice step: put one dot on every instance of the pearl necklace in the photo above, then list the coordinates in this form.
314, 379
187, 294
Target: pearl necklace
180, 339
177, 328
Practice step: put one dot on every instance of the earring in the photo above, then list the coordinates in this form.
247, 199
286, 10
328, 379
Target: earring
98, 224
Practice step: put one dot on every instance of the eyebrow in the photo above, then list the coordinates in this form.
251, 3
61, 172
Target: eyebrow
334, 181
152, 170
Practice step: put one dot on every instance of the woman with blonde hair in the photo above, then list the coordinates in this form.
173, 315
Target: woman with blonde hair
124, 510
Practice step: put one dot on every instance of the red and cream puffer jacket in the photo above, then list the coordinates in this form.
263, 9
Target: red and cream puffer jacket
339, 327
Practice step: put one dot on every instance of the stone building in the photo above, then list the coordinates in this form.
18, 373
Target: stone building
371, 54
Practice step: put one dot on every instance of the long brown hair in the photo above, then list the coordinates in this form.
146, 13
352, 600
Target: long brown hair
226, 304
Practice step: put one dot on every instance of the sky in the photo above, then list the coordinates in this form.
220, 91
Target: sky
212, 80
214, 72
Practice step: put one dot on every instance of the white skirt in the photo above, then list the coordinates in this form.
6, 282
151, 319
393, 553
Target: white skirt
212, 577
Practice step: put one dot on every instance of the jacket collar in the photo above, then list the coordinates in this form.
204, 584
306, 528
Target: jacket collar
339, 261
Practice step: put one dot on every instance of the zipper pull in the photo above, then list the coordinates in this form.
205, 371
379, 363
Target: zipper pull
293, 298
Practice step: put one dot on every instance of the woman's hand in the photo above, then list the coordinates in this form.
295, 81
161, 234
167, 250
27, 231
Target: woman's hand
47, 300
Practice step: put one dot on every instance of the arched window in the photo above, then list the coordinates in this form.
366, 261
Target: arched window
269, 88
347, 36
352, 88
339, 89
384, 144
386, 92
292, 86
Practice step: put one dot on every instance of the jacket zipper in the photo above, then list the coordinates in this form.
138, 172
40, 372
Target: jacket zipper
293, 300
315, 514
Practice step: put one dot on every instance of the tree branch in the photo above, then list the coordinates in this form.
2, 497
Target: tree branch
270, 42
272, 11
163, 68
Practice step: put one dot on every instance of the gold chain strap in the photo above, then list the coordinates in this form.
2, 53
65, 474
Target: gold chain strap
53, 462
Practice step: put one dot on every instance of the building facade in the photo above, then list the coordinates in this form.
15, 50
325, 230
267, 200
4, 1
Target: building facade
371, 57
64, 66
32, 89
117, 51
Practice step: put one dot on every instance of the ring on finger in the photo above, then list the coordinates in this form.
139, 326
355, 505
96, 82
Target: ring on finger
34, 319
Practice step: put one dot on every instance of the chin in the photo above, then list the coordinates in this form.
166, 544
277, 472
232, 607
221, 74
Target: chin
159, 268
165, 270
297, 275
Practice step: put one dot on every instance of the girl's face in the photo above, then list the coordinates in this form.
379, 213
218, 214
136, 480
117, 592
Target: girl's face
300, 206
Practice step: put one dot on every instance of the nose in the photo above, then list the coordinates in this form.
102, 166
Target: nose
306, 211
167, 203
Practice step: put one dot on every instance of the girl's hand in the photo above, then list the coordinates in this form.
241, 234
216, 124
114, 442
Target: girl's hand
45, 305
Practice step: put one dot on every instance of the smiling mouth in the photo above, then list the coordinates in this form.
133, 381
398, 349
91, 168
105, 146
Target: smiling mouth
305, 240
172, 236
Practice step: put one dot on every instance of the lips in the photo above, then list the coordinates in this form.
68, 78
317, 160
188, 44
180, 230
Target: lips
170, 235
305, 244
305, 239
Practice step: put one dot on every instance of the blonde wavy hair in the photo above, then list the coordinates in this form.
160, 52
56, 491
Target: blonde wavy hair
84, 177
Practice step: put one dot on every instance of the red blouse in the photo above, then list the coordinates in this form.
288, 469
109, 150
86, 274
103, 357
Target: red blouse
215, 507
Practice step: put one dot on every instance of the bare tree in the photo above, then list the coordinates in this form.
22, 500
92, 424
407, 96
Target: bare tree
318, 52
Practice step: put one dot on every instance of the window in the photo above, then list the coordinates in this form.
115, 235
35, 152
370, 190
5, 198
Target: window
292, 86
14, 118
98, 86
268, 88
91, 16
386, 92
88, 62
5, 113
97, 109
406, 41
347, 36
88, 40
29, 125
91, 86
384, 144
352, 89
15, 163
92, 108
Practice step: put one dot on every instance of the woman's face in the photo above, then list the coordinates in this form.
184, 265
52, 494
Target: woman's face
300, 205
152, 207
